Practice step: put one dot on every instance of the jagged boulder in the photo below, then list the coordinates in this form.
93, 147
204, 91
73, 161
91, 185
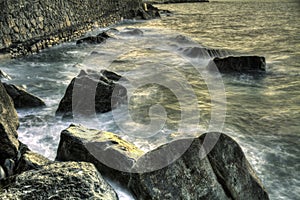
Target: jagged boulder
9, 123
108, 152
69, 180
29, 160
224, 174
172, 171
91, 92
238, 64
21, 98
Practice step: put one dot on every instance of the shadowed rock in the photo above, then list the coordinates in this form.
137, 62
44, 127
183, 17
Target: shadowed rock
98, 39
224, 174
9, 123
21, 98
70, 180
239, 64
4, 75
171, 171
91, 93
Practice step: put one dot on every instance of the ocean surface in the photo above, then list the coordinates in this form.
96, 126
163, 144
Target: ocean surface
165, 66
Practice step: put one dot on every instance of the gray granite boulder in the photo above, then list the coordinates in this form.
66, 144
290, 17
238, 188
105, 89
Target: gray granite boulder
224, 173
9, 123
65, 180
21, 98
238, 64
91, 93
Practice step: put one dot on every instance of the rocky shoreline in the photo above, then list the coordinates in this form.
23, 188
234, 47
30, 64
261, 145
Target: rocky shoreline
85, 156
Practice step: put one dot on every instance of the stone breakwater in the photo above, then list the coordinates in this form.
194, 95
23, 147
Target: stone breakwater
28, 26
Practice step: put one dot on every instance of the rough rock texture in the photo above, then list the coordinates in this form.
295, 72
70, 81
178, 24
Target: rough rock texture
21, 98
31, 25
201, 52
240, 64
90, 93
29, 160
224, 174
9, 123
234, 171
105, 150
70, 180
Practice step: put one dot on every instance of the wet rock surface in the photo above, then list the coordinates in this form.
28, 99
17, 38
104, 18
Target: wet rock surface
105, 150
9, 123
91, 93
172, 171
21, 98
238, 64
70, 180
98, 39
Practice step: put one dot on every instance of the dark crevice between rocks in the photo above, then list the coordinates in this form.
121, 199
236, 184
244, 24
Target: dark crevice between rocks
221, 180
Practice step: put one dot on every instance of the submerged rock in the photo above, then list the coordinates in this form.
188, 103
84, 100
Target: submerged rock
9, 123
108, 152
224, 174
98, 39
132, 32
202, 52
240, 64
90, 93
70, 180
21, 98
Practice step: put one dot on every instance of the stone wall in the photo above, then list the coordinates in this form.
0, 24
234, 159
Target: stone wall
28, 26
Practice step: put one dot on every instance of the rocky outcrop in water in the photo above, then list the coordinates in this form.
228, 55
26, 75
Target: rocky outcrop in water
70, 180
202, 52
224, 174
98, 39
4, 75
89, 93
9, 124
101, 148
21, 98
239, 64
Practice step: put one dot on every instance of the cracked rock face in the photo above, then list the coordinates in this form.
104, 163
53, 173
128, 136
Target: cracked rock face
9, 123
223, 174
69, 180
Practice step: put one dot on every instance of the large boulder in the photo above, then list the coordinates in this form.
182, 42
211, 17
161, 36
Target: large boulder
90, 93
107, 151
9, 123
224, 174
70, 180
239, 64
21, 98
172, 171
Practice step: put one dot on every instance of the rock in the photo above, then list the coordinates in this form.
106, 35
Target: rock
223, 174
107, 151
9, 123
93, 93
234, 171
70, 180
132, 32
9, 165
111, 75
4, 75
205, 53
2, 173
98, 39
21, 98
30, 160
240, 64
